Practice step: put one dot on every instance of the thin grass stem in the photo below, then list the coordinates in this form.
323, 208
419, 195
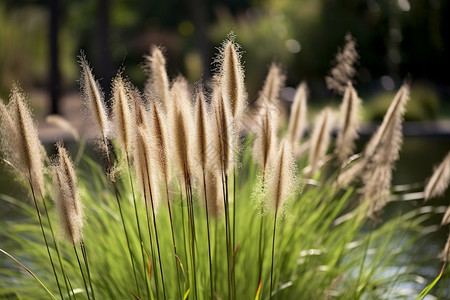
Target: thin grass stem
43, 232
58, 253
273, 251
209, 238
138, 224
81, 270
29, 272
116, 192
173, 240
86, 263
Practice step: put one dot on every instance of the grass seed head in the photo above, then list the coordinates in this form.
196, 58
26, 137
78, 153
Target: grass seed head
203, 132
67, 199
349, 124
320, 140
344, 70
264, 147
439, 181
94, 100
297, 119
281, 178
231, 78
123, 116
30, 156
157, 86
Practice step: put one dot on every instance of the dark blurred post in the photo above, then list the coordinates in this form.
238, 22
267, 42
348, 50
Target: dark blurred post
104, 51
54, 57
199, 19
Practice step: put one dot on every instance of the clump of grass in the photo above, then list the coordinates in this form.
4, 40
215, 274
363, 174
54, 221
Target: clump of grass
187, 208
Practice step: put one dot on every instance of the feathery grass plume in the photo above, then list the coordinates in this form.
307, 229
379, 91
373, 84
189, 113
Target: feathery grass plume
29, 159
269, 96
10, 143
297, 119
348, 131
445, 254
67, 199
344, 70
272, 85
182, 127
94, 100
231, 76
439, 181
144, 167
385, 142
202, 134
122, 115
159, 135
264, 147
320, 140
214, 193
381, 157
281, 184
64, 124
281, 178
157, 86
390, 128
446, 217
139, 108
224, 139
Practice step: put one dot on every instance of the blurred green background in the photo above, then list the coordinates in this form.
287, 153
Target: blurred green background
40, 42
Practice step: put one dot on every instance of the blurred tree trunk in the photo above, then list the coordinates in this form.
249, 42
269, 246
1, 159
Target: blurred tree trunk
104, 51
200, 23
54, 87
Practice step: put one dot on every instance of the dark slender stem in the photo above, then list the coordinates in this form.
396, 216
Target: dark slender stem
192, 228
173, 239
273, 251
43, 233
116, 192
138, 224
261, 238
151, 242
81, 270
234, 232
209, 238
58, 254
225, 202
86, 263
156, 232
361, 267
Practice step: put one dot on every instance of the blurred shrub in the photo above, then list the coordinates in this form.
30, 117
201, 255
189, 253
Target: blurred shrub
424, 104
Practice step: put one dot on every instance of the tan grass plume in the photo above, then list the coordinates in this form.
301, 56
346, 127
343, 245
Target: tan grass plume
203, 139
445, 254
122, 115
439, 181
157, 86
344, 70
264, 146
231, 77
297, 119
224, 140
281, 179
159, 135
94, 100
320, 140
27, 156
182, 127
349, 124
145, 168
67, 199
383, 147
214, 193
382, 152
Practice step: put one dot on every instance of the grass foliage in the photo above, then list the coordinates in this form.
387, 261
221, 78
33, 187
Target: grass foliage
325, 247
